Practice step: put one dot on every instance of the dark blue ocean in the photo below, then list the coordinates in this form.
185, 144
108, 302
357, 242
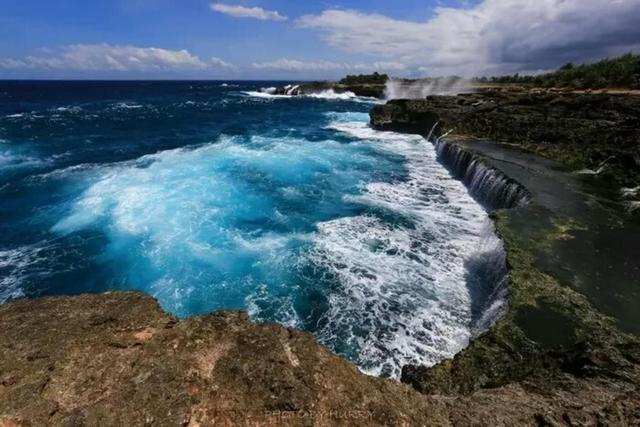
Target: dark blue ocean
213, 195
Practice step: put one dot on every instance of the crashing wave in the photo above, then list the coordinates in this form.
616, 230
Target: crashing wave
331, 94
290, 91
265, 95
443, 276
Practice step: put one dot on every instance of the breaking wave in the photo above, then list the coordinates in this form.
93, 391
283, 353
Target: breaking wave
300, 214
292, 91
416, 290
393, 281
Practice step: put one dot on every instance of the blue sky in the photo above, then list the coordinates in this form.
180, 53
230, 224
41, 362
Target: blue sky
295, 39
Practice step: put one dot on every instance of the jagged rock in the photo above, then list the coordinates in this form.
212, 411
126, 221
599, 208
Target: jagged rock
583, 131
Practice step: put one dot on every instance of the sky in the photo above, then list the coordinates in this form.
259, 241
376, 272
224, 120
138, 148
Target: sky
305, 39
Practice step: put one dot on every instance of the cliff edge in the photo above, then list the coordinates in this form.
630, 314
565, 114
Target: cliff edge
118, 359
597, 133
566, 352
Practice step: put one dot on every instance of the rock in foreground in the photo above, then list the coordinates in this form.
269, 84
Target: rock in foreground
118, 359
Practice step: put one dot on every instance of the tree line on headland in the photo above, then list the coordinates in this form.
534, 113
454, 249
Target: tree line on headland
371, 79
620, 72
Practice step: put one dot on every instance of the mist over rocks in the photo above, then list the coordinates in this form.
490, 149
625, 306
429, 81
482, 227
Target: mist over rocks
422, 88
390, 88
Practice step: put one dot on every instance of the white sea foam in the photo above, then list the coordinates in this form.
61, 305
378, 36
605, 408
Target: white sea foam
266, 95
403, 288
177, 218
182, 226
62, 172
329, 94
127, 106
69, 109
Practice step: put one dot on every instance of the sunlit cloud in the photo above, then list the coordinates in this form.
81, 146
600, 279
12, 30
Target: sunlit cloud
247, 12
101, 57
493, 36
293, 65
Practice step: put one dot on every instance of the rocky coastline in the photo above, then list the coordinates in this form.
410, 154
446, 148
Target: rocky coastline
565, 353
367, 90
572, 306
596, 132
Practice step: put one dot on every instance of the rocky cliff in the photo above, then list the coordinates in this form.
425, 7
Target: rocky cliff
573, 272
598, 132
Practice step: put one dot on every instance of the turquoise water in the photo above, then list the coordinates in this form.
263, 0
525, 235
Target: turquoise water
211, 196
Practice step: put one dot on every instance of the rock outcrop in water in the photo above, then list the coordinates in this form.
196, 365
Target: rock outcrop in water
369, 90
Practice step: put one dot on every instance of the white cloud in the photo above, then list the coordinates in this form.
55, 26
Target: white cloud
106, 57
493, 36
219, 63
247, 12
292, 65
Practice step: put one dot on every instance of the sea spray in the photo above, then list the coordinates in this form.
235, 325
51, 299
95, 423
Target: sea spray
420, 89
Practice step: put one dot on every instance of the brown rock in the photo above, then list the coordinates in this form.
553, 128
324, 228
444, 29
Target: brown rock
224, 369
